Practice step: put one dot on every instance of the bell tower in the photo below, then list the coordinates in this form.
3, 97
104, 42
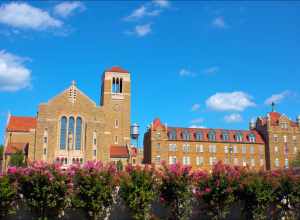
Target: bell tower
115, 100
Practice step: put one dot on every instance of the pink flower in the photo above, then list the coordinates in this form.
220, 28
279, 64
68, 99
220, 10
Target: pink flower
12, 170
207, 190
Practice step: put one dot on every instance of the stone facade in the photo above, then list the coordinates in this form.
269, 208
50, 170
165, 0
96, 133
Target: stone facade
73, 128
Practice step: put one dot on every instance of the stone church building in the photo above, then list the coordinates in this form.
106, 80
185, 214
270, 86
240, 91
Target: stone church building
72, 128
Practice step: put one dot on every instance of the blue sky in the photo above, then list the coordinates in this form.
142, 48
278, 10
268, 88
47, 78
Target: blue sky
192, 63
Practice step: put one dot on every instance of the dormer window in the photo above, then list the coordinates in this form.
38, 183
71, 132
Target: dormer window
212, 135
239, 137
186, 135
225, 136
198, 136
252, 138
172, 135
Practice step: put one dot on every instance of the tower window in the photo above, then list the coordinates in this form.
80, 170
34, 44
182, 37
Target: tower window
116, 139
116, 123
117, 85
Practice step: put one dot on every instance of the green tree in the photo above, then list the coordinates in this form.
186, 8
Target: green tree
1, 151
17, 159
119, 165
296, 162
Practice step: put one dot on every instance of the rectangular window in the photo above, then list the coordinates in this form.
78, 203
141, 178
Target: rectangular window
276, 162
172, 160
172, 147
251, 149
116, 139
95, 141
275, 138
244, 149
45, 151
45, 140
295, 150
158, 146
158, 159
186, 160
244, 162
95, 152
186, 148
212, 148
199, 161
294, 138
276, 149
261, 149
116, 123
286, 163
199, 148
226, 149
285, 139
235, 150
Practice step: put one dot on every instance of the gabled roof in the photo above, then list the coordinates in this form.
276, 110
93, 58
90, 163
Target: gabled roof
274, 119
13, 148
157, 123
118, 151
21, 124
117, 69
218, 132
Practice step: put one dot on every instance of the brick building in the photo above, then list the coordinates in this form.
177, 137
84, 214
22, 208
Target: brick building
72, 128
271, 142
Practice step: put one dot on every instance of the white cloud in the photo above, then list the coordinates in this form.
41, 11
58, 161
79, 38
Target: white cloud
197, 126
197, 121
142, 30
141, 12
66, 9
211, 70
219, 22
234, 101
162, 3
233, 118
186, 72
23, 15
277, 98
195, 107
13, 74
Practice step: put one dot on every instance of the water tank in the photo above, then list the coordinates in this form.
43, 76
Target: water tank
134, 131
252, 124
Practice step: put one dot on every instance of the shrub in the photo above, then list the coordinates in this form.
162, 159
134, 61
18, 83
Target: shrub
94, 189
286, 194
44, 188
176, 190
256, 192
138, 190
217, 191
8, 194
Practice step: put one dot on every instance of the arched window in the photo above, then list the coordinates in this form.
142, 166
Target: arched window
172, 135
198, 136
212, 135
78, 133
71, 132
186, 135
63, 132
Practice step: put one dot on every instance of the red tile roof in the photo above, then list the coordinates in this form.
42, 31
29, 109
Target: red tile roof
15, 147
218, 132
21, 124
117, 151
117, 69
274, 118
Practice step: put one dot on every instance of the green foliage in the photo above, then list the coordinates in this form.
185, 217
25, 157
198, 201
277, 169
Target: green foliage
176, 191
43, 188
17, 159
256, 192
8, 194
95, 189
119, 165
1, 151
138, 191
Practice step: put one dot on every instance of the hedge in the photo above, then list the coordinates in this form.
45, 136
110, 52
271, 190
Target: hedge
47, 191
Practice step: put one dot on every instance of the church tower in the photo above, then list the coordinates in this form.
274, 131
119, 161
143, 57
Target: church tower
115, 100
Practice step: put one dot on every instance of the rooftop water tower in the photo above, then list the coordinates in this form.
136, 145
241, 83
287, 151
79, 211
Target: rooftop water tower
134, 133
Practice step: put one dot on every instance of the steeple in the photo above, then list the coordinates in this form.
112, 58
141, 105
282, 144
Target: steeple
273, 106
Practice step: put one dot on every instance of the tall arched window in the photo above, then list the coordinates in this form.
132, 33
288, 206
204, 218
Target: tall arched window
71, 132
63, 132
78, 133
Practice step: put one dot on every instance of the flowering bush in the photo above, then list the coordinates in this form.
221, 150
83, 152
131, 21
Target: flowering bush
256, 192
44, 188
217, 191
94, 188
7, 196
286, 194
138, 190
176, 190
